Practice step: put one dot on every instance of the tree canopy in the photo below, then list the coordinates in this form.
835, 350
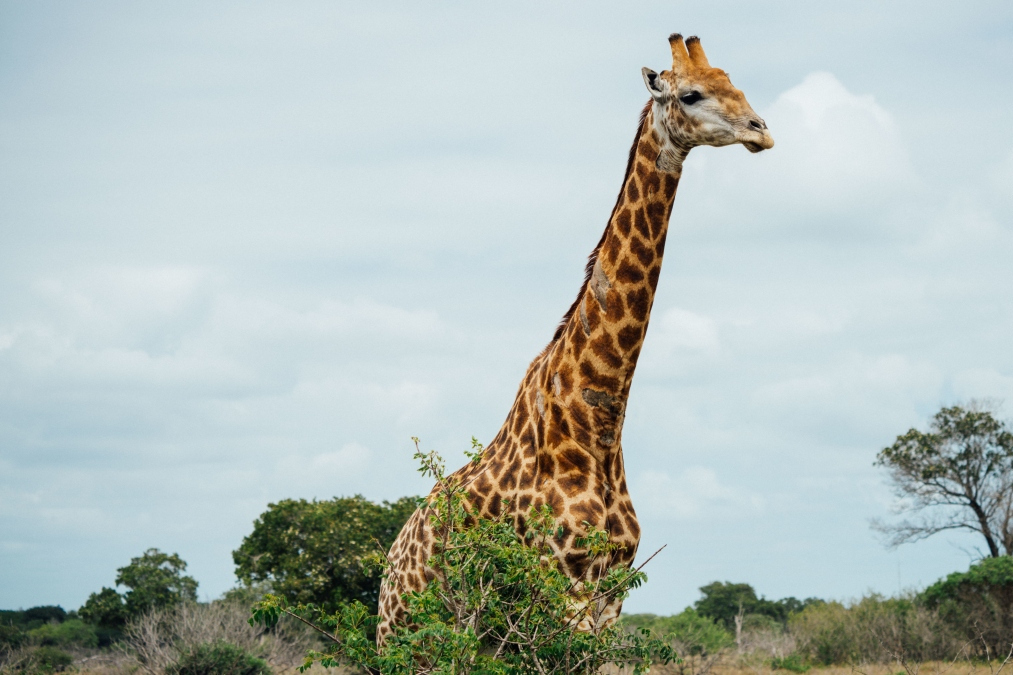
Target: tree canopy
979, 600
314, 551
153, 579
956, 476
722, 601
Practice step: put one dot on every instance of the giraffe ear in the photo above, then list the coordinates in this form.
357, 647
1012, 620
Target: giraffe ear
657, 85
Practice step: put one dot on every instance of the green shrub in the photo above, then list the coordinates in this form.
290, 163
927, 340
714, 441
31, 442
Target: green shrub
36, 616
71, 633
794, 662
51, 659
978, 603
36, 661
689, 631
217, 658
11, 637
498, 603
874, 629
105, 609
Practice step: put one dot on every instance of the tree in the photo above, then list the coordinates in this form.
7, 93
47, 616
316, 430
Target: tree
723, 601
956, 476
498, 604
314, 551
105, 609
153, 579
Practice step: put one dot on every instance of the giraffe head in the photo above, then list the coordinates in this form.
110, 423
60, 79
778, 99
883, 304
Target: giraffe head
695, 104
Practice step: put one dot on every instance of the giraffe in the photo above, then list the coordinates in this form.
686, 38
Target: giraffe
561, 442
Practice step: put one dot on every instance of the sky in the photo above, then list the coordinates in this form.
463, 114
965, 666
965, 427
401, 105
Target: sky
248, 250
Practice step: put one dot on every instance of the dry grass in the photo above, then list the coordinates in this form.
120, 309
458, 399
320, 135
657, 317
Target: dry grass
156, 640
732, 666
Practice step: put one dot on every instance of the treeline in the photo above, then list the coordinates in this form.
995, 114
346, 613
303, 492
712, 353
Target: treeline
316, 552
149, 618
966, 615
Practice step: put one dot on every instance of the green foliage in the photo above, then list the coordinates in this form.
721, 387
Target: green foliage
978, 602
33, 617
498, 604
71, 633
692, 632
105, 608
315, 551
155, 579
37, 616
217, 658
39, 626
722, 601
11, 637
958, 475
874, 629
792, 662
37, 661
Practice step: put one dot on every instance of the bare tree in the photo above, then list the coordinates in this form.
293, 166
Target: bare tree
956, 476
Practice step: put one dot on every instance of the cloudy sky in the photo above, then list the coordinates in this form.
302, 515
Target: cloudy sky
248, 250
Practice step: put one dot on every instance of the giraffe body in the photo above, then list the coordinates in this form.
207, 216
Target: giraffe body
561, 443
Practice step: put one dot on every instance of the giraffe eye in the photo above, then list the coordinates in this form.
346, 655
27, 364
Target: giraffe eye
691, 97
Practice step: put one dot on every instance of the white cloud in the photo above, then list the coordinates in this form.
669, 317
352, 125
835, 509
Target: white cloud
681, 329
837, 149
838, 158
861, 394
678, 340
184, 328
984, 383
694, 493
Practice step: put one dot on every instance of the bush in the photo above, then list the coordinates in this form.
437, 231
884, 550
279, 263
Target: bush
71, 633
874, 630
498, 604
689, 632
105, 609
978, 603
51, 659
36, 661
792, 662
11, 637
160, 638
217, 658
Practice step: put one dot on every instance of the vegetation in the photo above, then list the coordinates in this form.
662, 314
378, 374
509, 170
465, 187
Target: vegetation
977, 604
956, 476
498, 604
219, 658
728, 603
690, 633
315, 551
153, 580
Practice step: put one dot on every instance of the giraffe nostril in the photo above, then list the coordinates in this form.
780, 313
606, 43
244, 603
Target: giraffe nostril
757, 125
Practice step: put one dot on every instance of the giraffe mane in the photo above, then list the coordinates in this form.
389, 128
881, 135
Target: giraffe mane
593, 258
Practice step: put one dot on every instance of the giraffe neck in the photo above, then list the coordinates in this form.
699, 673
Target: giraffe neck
589, 366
